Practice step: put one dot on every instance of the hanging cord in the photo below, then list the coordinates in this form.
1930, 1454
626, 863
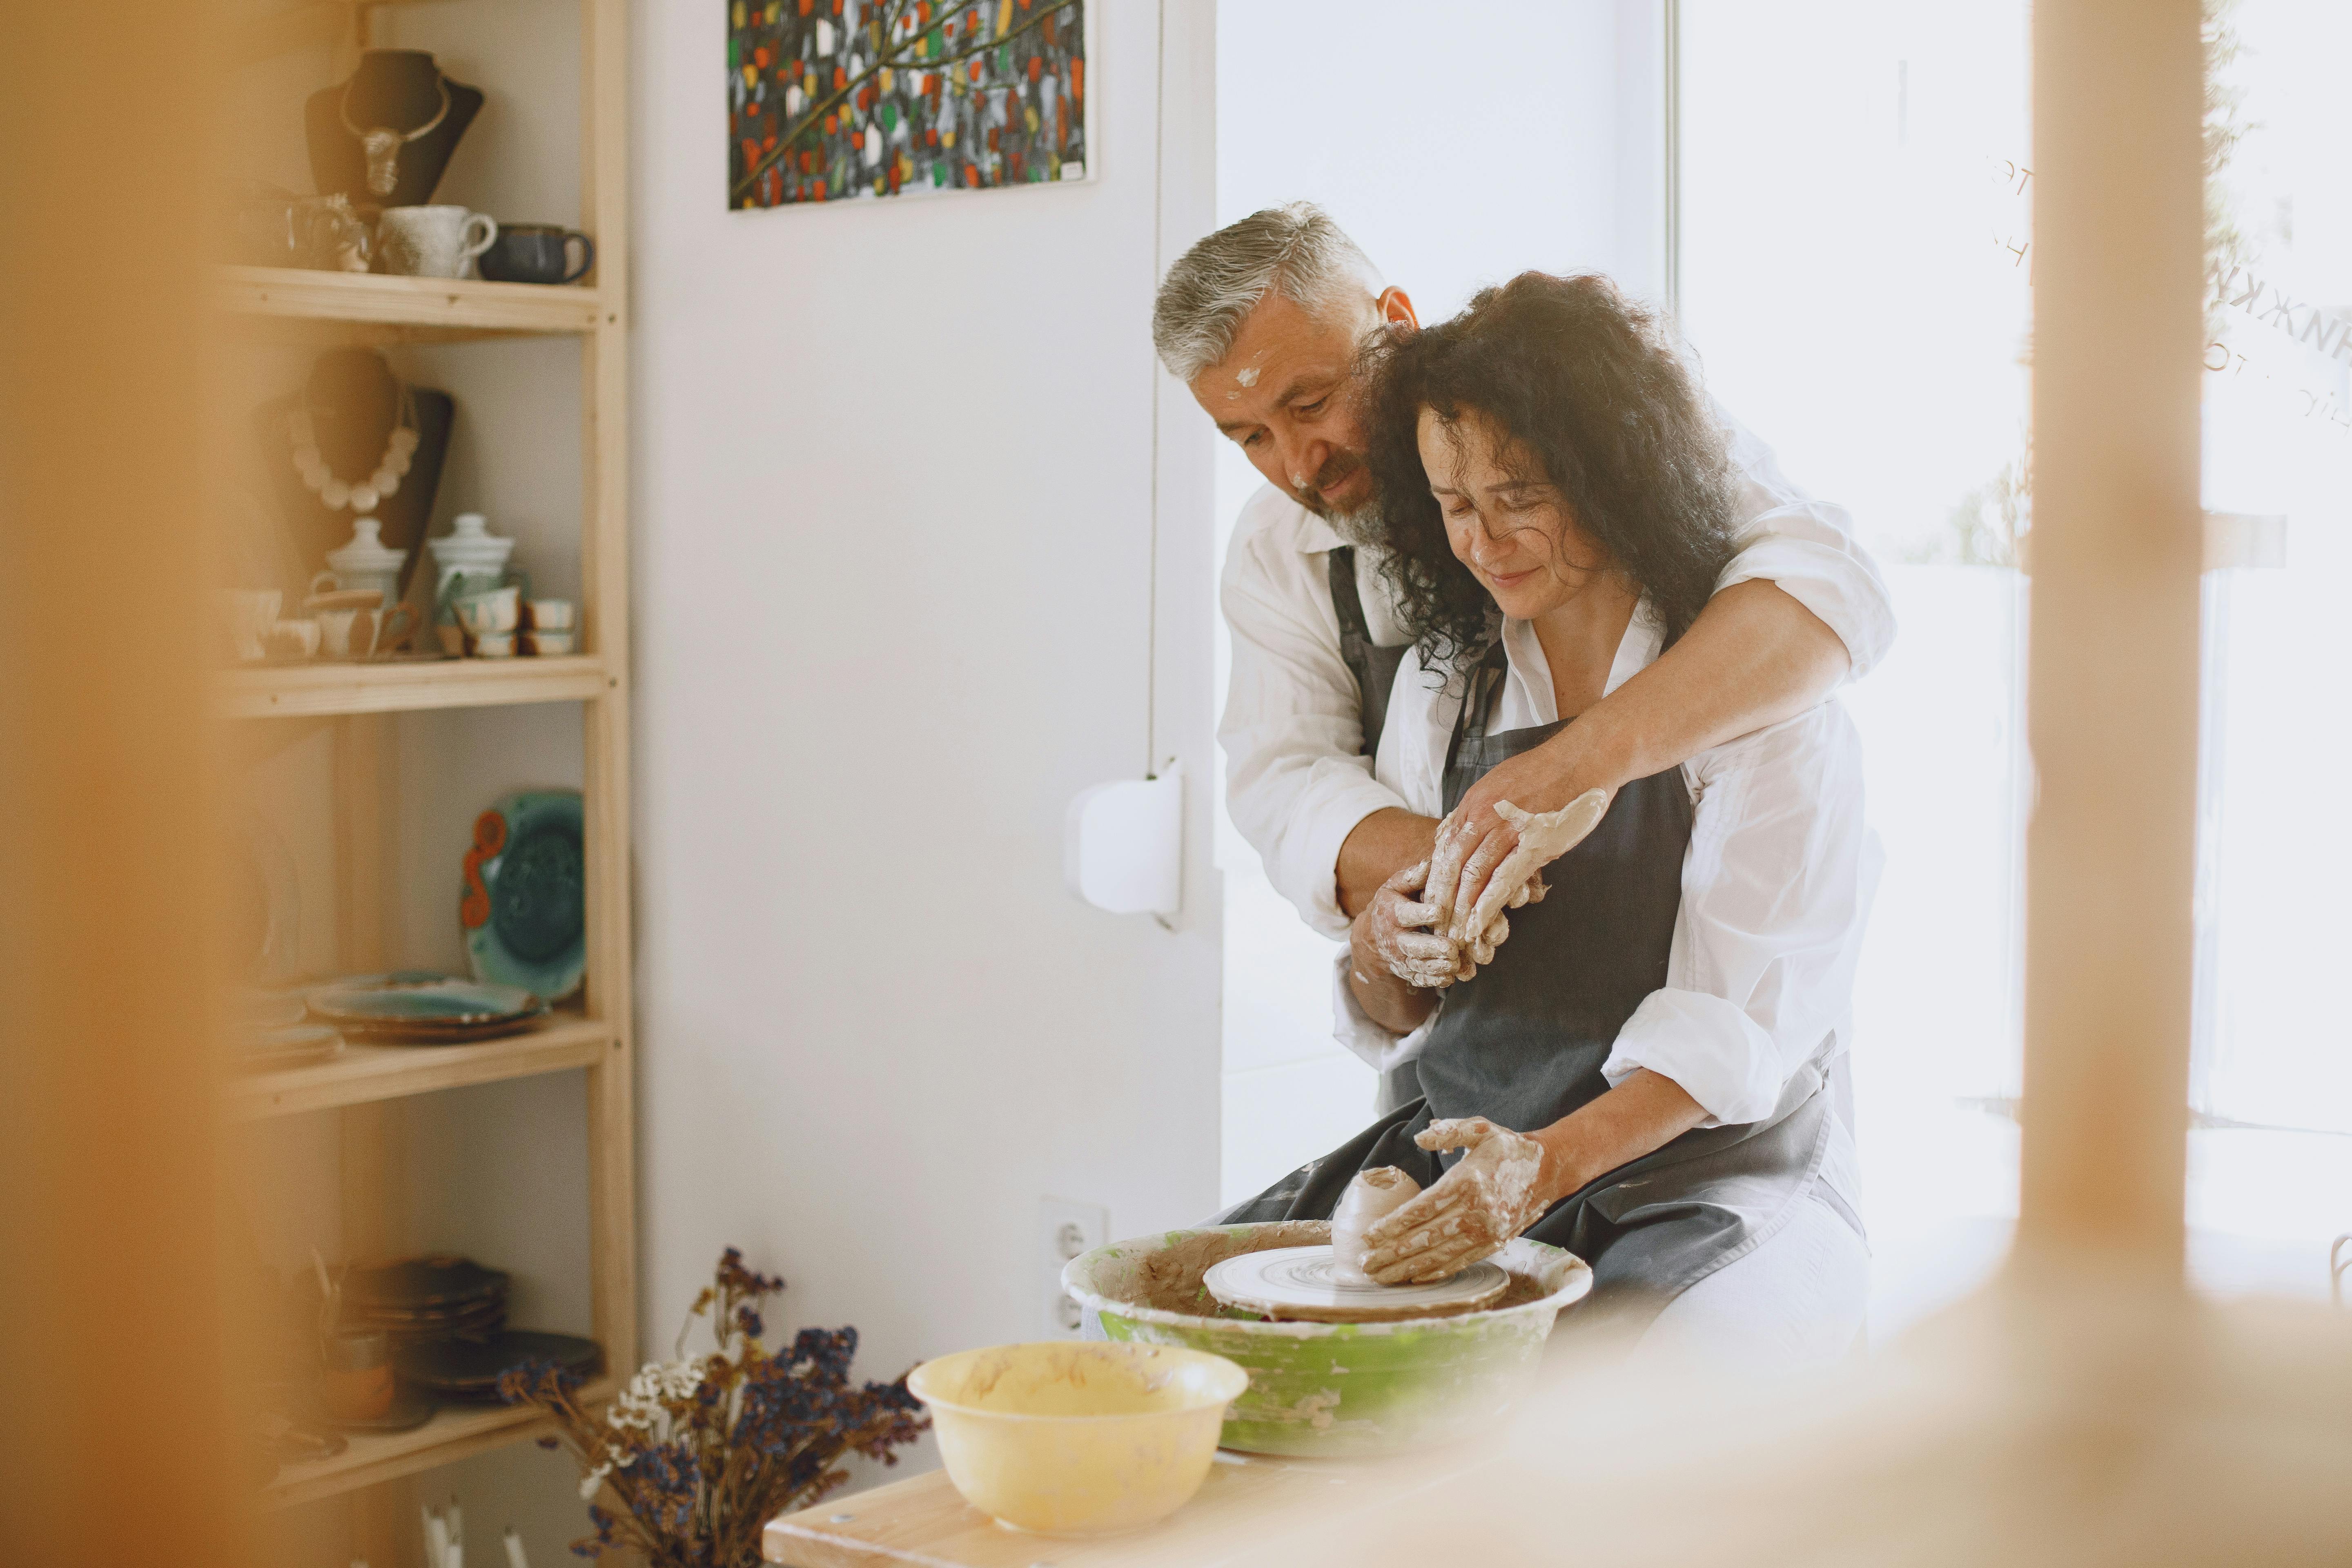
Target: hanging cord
1151, 612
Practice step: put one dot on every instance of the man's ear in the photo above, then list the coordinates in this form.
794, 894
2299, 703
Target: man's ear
1396, 308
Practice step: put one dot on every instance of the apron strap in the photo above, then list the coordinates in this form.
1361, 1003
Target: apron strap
1480, 688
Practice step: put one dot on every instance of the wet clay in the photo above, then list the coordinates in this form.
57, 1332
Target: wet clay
1171, 1279
1372, 1196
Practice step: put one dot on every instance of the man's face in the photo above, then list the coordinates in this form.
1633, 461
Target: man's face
1285, 393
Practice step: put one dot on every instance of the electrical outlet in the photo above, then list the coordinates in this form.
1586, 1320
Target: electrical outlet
1065, 1230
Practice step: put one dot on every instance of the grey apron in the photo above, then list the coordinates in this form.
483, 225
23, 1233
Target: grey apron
1523, 1044
1375, 669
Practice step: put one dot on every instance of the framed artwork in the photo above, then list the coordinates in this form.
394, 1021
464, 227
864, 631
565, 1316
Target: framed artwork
833, 101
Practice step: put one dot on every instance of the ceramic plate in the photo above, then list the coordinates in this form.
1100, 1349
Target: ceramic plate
296, 1046
1299, 1282
421, 1007
435, 1279
470, 1369
524, 908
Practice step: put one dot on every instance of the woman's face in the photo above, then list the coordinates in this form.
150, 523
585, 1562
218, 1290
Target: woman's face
1506, 522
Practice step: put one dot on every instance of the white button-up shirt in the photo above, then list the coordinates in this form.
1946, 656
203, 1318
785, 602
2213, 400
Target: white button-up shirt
1294, 781
1776, 886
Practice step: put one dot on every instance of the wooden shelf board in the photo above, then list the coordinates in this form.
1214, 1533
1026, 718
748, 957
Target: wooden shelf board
303, 690
365, 1073
386, 308
454, 1433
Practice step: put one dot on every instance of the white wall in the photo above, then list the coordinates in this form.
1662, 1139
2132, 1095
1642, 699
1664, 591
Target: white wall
893, 509
1459, 146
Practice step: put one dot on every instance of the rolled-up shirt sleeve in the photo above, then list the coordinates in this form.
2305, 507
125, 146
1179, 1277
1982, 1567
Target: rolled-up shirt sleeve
1295, 783
1776, 886
1804, 551
1806, 547
1372, 1042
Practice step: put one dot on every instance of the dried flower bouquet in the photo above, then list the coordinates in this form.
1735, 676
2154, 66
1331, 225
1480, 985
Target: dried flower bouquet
697, 1454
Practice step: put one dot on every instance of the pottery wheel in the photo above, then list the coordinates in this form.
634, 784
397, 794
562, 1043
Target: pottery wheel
1302, 1282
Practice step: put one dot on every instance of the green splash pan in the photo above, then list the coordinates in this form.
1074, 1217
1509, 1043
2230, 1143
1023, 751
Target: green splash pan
1333, 1390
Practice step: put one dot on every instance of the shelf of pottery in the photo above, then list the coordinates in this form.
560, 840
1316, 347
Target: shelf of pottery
367, 582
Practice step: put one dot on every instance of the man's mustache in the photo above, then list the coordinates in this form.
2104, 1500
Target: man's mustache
1340, 468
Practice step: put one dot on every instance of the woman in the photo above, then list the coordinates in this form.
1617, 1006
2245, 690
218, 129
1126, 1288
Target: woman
1638, 1074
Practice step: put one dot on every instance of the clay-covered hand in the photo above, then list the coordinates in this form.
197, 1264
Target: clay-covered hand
1395, 928
1493, 862
1492, 1194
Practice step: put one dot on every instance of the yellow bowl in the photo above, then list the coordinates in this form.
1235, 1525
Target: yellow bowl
1067, 1438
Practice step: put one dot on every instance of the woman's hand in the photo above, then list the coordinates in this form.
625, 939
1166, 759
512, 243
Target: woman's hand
1393, 933
1494, 1193
1485, 859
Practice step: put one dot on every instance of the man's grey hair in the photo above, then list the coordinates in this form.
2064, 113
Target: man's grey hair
1217, 283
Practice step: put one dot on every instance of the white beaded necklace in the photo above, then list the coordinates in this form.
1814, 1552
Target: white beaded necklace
366, 494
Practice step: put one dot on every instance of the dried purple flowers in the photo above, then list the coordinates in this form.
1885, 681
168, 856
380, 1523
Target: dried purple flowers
697, 1454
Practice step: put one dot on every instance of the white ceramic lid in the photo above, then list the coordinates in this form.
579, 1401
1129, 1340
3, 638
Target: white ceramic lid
366, 552
470, 545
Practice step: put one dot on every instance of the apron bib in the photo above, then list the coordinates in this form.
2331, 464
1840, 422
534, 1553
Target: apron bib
1522, 1044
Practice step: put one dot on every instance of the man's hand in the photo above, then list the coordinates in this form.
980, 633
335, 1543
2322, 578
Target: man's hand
1393, 931
1491, 1196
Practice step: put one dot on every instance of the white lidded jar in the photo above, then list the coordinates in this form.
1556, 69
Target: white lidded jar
365, 563
469, 549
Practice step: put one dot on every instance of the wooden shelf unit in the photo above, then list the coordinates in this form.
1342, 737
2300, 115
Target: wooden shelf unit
365, 1074
318, 309
372, 307
454, 1432
317, 690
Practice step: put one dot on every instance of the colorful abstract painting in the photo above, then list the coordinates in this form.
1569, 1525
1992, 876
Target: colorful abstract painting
834, 99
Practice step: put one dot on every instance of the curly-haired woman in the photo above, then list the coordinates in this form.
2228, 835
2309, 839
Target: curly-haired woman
1640, 1073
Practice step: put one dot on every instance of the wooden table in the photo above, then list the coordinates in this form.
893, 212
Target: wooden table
1248, 1505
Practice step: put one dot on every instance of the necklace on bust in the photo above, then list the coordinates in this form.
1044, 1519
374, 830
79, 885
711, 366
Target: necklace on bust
363, 495
382, 144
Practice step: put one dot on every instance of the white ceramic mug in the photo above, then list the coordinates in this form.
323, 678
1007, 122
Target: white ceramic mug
355, 632
251, 612
433, 242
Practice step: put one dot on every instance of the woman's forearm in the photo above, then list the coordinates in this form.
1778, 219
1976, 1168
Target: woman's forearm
1646, 1112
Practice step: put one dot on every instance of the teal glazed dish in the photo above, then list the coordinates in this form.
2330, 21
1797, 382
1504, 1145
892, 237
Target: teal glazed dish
524, 908
417, 1007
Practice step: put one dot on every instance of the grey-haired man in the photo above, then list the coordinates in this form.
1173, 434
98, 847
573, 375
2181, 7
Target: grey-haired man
1263, 321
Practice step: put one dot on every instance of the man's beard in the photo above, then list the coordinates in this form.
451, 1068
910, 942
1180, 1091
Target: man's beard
1359, 527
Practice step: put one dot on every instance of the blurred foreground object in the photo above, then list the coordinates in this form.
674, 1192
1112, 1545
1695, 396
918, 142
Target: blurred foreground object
116, 1449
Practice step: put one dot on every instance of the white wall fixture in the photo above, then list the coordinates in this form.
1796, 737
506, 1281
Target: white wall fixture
1065, 1230
1123, 845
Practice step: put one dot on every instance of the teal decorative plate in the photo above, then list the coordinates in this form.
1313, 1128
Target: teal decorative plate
524, 908
417, 1006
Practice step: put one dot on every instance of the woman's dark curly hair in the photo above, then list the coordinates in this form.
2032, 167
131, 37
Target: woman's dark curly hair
1585, 384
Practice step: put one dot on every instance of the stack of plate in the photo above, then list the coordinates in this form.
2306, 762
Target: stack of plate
271, 1034
470, 1369
416, 1008
416, 1299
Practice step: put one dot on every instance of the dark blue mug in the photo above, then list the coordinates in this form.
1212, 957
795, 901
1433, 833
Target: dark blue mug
537, 253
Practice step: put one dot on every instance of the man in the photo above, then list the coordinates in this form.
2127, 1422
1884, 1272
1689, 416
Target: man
1263, 321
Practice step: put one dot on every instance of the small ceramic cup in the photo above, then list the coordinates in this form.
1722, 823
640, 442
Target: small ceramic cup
292, 639
356, 633
432, 241
493, 614
356, 1382
547, 643
251, 612
548, 615
495, 645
